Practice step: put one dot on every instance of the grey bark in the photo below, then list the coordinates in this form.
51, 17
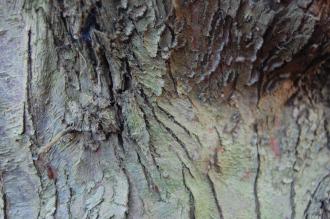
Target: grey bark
164, 109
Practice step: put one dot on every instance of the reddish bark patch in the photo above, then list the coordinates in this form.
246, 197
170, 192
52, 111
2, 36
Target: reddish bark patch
51, 173
275, 147
247, 175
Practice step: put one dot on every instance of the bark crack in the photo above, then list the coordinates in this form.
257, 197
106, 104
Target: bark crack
172, 118
29, 85
119, 152
68, 204
4, 197
175, 86
293, 183
255, 184
32, 135
191, 196
5, 205
327, 132
56, 197
152, 148
313, 195
214, 193
176, 138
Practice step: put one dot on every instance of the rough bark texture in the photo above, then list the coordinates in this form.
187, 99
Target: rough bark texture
165, 109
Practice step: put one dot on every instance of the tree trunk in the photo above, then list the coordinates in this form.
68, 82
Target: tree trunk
165, 109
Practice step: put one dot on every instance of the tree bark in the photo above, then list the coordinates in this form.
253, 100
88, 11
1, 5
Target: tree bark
165, 109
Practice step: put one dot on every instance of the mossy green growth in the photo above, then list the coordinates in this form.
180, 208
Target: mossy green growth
135, 122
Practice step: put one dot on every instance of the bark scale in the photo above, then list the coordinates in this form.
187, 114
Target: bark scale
164, 109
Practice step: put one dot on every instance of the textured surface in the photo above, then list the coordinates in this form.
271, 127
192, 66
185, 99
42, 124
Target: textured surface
164, 109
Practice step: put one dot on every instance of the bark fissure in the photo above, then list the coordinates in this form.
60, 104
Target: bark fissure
313, 195
171, 117
57, 203
327, 131
255, 183
292, 199
129, 201
31, 125
176, 138
4, 197
191, 196
5, 206
120, 154
152, 149
214, 193
292, 185
29, 73
28, 84
174, 82
68, 203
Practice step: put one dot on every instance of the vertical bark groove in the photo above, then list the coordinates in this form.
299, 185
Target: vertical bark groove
255, 184
215, 196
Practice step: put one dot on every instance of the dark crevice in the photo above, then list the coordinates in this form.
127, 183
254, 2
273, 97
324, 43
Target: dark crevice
29, 82
171, 117
127, 76
130, 194
325, 209
98, 3
5, 205
152, 149
28, 111
214, 193
90, 22
149, 179
168, 63
110, 84
293, 183
183, 146
191, 196
327, 132
169, 27
103, 61
255, 184
57, 202
175, 137
4, 197
120, 122
119, 154
62, 18
313, 196
38, 167
292, 199
145, 171
93, 59
68, 204
218, 168
150, 182
24, 123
